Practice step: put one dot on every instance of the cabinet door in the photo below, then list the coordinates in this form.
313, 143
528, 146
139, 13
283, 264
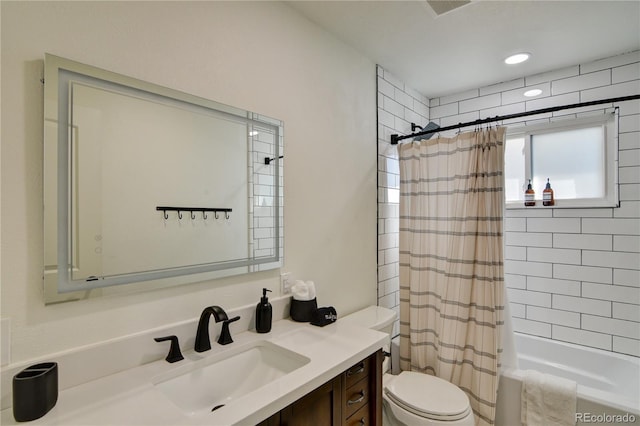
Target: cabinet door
322, 407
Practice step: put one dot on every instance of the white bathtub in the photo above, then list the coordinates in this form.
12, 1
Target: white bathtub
608, 383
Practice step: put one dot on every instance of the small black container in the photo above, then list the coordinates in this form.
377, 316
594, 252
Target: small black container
35, 391
303, 310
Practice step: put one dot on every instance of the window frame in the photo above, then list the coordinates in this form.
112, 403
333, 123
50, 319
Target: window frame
609, 124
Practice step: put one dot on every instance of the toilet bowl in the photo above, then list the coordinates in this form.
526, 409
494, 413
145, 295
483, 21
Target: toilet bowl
412, 398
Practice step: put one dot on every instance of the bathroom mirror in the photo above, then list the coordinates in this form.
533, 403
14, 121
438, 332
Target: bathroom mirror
149, 187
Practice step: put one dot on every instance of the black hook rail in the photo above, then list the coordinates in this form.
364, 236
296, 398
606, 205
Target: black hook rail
397, 138
191, 210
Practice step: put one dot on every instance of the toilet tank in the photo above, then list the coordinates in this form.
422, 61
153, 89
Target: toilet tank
373, 317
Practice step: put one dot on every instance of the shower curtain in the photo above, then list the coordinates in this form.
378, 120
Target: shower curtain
451, 262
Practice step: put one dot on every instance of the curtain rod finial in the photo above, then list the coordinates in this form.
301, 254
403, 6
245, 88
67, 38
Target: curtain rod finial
394, 139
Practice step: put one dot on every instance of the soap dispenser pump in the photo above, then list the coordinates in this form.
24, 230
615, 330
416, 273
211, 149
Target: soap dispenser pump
263, 313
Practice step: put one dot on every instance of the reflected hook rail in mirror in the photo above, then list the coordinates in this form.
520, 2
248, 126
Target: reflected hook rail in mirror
165, 209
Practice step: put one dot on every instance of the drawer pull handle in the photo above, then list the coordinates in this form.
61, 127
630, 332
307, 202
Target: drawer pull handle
359, 369
357, 400
362, 422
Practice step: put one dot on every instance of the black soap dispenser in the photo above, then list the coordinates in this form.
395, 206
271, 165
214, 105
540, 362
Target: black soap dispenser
263, 313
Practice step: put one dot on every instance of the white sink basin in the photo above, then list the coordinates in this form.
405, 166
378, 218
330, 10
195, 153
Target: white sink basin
211, 382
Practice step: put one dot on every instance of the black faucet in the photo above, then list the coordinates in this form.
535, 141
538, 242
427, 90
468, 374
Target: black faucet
202, 336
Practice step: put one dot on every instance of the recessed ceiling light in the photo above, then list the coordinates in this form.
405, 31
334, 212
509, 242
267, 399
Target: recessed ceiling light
533, 92
517, 58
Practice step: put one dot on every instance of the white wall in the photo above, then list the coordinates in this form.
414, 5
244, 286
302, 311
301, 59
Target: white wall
258, 56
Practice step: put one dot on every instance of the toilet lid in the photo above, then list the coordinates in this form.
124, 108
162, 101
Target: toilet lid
428, 396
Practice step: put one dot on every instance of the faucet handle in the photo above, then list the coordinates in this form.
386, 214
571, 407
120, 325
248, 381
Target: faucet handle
225, 334
174, 352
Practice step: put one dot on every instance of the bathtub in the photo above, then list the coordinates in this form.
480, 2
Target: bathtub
608, 383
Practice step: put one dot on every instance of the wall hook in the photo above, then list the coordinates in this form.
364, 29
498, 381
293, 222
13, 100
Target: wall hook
166, 216
179, 214
204, 215
193, 216
216, 213
268, 160
226, 215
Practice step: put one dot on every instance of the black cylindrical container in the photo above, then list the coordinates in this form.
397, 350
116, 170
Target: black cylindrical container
35, 391
303, 310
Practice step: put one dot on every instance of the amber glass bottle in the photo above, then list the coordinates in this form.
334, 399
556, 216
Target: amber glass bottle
529, 196
547, 195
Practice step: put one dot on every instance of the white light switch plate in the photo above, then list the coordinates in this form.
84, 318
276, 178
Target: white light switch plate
285, 283
5, 341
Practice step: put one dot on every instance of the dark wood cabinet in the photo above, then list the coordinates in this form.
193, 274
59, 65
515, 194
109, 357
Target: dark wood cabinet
362, 392
318, 408
351, 398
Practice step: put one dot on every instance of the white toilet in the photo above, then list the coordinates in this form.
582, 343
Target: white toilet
410, 398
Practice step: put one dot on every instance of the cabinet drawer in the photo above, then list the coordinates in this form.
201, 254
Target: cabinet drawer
357, 372
356, 397
360, 417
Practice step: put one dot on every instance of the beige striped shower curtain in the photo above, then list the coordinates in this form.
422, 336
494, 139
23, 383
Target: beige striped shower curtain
451, 262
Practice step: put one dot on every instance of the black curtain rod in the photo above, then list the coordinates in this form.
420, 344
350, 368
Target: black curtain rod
396, 138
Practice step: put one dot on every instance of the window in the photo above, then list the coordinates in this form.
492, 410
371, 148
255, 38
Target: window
579, 157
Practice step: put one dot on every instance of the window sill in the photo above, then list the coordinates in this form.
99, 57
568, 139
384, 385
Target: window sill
565, 204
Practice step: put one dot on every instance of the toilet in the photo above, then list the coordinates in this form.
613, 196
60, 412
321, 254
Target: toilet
411, 398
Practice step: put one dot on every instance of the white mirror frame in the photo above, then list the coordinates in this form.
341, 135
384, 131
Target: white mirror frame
58, 282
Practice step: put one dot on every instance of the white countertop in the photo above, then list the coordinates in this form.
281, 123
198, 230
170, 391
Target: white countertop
130, 398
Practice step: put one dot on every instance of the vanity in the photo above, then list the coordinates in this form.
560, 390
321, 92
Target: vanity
351, 398
296, 374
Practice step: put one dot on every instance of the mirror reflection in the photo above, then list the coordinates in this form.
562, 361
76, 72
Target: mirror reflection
144, 183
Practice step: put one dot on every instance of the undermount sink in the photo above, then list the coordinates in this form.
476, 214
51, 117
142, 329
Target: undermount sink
212, 382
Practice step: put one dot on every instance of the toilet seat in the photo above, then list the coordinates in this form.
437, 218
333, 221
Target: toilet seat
428, 396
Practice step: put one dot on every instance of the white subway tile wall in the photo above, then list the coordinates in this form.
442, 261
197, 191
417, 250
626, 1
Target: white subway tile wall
578, 278
398, 107
571, 274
